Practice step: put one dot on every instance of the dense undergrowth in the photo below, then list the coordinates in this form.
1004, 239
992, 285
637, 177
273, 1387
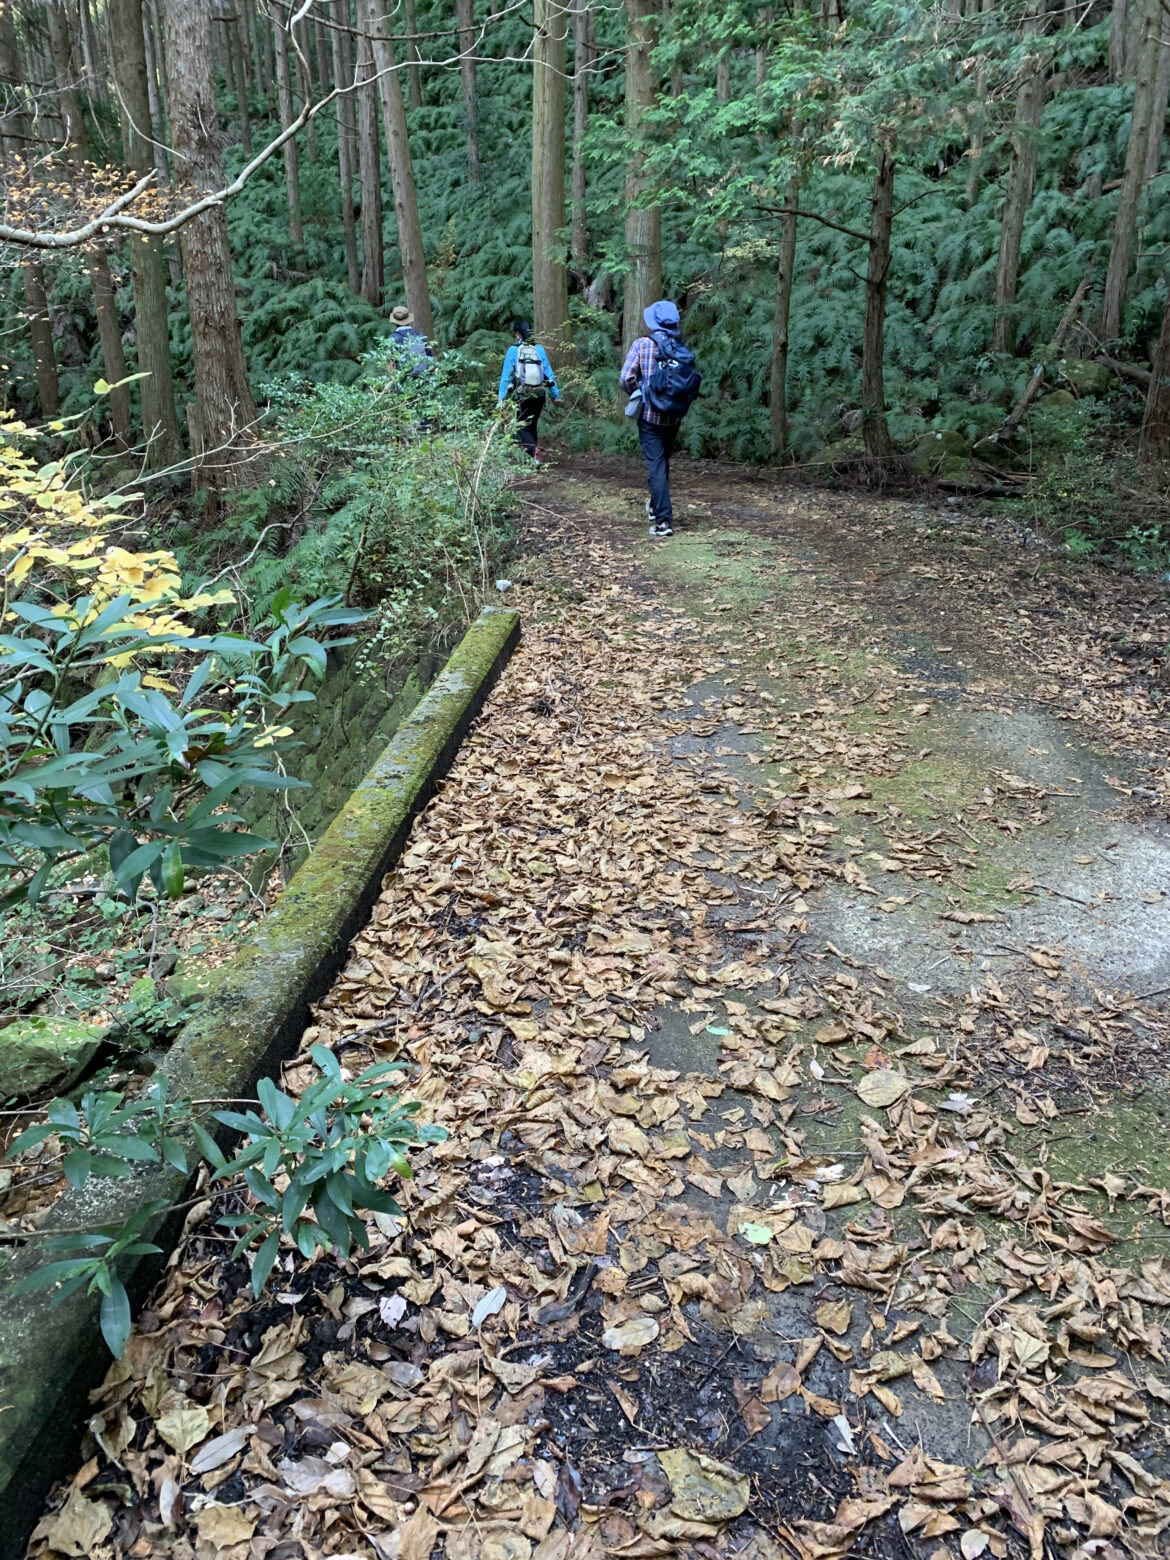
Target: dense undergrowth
389, 491
721, 164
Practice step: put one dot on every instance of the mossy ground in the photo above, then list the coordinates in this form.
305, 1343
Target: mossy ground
796, 615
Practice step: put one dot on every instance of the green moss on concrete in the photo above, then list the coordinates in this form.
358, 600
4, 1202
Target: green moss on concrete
338, 737
330, 896
251, 1019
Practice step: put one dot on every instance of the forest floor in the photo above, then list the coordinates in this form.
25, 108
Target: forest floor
787, 958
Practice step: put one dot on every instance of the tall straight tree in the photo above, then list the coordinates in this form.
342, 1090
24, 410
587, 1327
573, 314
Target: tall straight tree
550, 280
785, 269
292, 179
14, 133
643, 217
465, 21
1021, 182
238, 52
1117, 22
1158, 113
413, 69
40, 334
95, 81
582, 65
1155, 439
152, 42
874, 427
410, 244
265, 51
97, 262
225, 405
342, 45
304, 72
159, 422
370, 168
1147, 46
323, 59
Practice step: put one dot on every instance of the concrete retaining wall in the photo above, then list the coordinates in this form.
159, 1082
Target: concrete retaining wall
251, 1020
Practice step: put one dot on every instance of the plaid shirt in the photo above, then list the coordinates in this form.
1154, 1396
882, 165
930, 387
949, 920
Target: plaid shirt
636, 370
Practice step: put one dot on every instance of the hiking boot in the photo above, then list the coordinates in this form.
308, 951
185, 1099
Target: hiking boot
662, 528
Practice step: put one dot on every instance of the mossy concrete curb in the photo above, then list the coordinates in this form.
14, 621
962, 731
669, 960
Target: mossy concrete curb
250, 1021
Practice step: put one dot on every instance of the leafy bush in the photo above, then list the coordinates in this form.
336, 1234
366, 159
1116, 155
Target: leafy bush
308, 1168
395, 489
1102, 504
117, 732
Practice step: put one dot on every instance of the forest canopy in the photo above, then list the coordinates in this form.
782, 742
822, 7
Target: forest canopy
880, 220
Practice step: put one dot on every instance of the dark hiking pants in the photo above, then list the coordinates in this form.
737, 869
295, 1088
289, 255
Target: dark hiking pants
657, 441
528, 410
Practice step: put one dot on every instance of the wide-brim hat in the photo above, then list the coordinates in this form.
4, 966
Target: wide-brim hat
662, 315
401, 315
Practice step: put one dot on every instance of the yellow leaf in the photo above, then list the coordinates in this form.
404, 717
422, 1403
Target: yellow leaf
267, 738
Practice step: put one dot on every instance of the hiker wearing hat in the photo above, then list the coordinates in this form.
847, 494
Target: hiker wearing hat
660, 377
413, 350
526, 373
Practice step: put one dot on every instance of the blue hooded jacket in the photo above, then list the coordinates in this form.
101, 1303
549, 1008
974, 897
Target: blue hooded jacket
508, 376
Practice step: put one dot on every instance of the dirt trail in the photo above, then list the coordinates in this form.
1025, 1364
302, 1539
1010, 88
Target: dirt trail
786, 956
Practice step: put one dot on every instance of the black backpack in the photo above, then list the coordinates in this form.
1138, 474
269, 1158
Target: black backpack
674, 382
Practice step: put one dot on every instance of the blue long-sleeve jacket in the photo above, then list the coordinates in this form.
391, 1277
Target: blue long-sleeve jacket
507, 377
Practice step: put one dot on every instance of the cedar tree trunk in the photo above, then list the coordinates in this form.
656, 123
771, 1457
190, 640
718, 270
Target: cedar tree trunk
1021, 182
873, 389
159, 422
1146, 52
643, 221
342, 44
785, 265
465, 21
226, 408
550, 280
410, 244
370, 167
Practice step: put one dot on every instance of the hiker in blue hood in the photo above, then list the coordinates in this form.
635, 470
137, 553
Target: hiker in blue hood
660, 377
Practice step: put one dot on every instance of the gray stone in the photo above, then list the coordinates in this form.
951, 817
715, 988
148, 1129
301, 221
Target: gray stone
44, 1052
935, 448
1086, 377
853, 445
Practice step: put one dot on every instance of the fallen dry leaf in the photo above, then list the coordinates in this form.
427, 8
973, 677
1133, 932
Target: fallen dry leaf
702, 1489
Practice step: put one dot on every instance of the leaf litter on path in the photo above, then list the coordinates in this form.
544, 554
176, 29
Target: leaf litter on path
631, 1309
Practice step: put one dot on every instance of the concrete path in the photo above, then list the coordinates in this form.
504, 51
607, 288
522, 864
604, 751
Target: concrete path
787, 958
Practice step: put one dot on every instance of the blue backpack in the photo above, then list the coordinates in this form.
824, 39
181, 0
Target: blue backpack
415, 355
674, 382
